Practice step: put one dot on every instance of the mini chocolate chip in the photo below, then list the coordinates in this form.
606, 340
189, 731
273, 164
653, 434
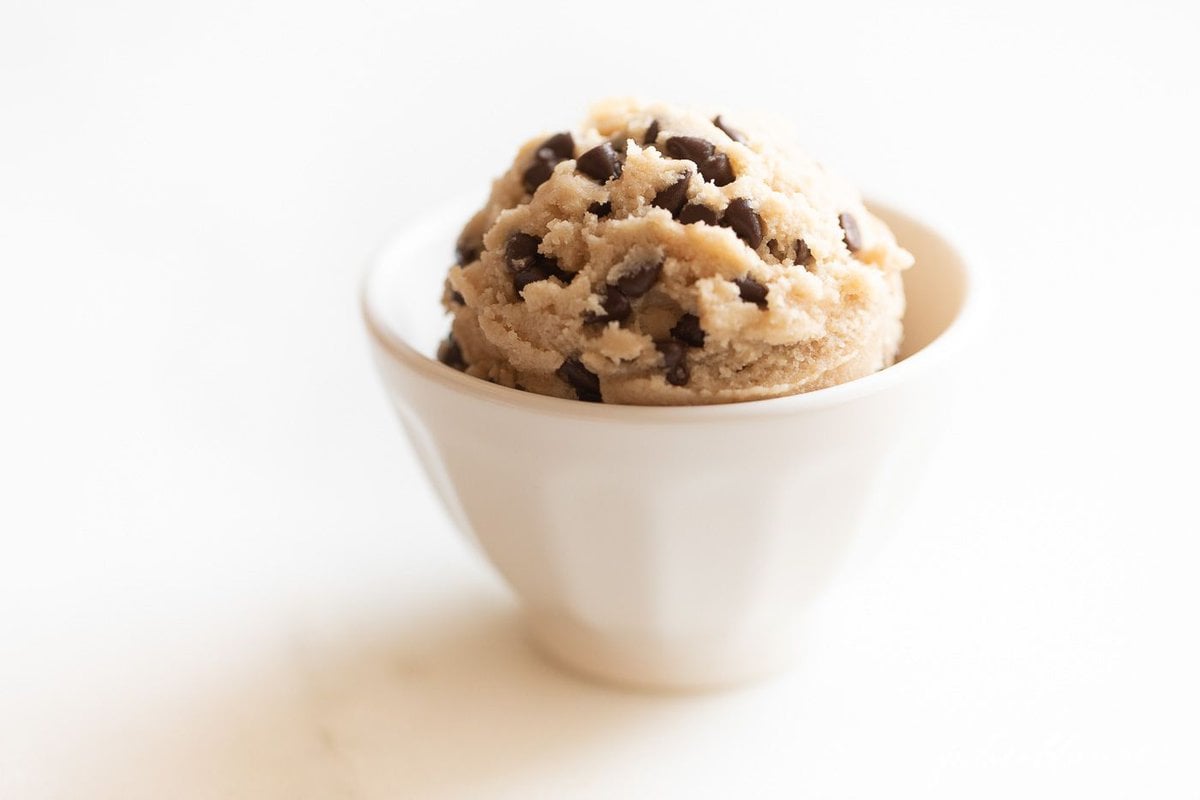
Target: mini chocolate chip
745, 222
616, 308
620, 144
585, 382
600, 209
717, 169
688, 331
637, 282
752, 291
732, 133
561, 145
651, 133
692, 148
694, 212
774, 249
601, 163
537, 174
804, 256
674, 196
521, 251
675, 359
456, 297
537, 272
450, 354
851, 233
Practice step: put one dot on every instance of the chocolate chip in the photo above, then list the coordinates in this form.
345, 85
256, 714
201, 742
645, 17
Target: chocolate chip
601, 163
688, 331
600, 209
558, 147
537, 174
620, 144
616, 308
774, 249
651, 133
694, 212
850, 231
752, 291
585, 382
562, 145
692, 148
521, 251
530, 266
637, 282
456, 297
674, 196
550, 266
537, 272
675, 360
745, 222
732, 133
716, 168
450, 354
804, 256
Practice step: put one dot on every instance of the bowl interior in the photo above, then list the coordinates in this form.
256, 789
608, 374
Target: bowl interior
935, 288
403, 290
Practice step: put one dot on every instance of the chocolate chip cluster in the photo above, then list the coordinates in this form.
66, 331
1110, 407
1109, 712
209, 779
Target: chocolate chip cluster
619, 299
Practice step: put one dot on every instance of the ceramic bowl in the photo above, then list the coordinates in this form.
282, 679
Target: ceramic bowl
677, 547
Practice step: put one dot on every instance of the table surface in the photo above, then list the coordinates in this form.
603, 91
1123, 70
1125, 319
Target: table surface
223, 575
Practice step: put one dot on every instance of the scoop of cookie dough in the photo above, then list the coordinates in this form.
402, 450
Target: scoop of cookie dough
657, 256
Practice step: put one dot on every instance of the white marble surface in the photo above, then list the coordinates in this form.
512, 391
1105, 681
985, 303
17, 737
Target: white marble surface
221, 574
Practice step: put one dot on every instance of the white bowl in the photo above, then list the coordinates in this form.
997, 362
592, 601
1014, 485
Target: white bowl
670, 547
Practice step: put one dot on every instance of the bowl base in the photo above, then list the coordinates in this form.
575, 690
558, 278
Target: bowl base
635, 663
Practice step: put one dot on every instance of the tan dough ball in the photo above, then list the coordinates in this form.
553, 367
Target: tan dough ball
657, 256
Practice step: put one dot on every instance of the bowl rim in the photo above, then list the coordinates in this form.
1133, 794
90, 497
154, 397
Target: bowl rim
952, 339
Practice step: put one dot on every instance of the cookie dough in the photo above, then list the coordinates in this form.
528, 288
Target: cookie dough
657, 256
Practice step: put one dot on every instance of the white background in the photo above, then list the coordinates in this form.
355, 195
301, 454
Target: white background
222, 575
